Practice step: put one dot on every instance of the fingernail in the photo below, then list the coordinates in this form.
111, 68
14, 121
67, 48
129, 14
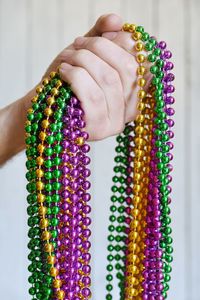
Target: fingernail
109, 35
79, 41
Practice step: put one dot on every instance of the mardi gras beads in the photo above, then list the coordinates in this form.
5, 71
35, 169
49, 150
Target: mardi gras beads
139, 240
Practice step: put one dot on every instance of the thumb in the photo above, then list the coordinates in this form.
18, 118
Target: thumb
108, 22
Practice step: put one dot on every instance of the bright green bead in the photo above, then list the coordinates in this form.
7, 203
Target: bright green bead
32, 291
157, 51
38, 116
57, 149
110, 248
154, 69
57, 173
55, 210
114, 188
48, 187
109, 267
48, 151
53, 127
148, 46
112, 218
56, 186
145, 36
160, 63
110, 238
113, 208
109, 287
58, 115
54, 233
111, 228
50, 139
54, 221
48, 175
48, 163
151, 57
55, 198
56, 161
140, 29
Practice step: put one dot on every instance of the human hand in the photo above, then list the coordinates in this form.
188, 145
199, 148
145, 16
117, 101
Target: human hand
102, 73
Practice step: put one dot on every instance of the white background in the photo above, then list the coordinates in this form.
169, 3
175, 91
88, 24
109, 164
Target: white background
32, 32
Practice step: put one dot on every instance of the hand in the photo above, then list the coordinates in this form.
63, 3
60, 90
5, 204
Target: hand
12, 117
102, 74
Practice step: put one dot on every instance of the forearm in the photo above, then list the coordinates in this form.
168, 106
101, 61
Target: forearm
12, 121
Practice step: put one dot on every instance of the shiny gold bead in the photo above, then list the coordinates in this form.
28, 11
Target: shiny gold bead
44, 223
80, 141
34, 99
134, 235
30, 111
42, 210
135, 224
140, 105
140, 118
45, 124
40, 160
39, 89
39, 185
60, 294
137, 176
54, 91
52, 75
40, 198
57, 283
51, 260
137, 188
139, 141
45, 81
141, 70
141, 82
39, 173
140, 58
40, 148
53, 271
48, 248
27, 123
46, 235
139, 46
58, 84
42, 135
48, 111
126, 27
50, 100
132, 27
141, 94
136, 36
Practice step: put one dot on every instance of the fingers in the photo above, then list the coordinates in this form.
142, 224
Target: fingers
119, 59
92, 100
108, 22
107, 79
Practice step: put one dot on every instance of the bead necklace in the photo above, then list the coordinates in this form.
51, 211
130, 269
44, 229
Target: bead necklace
139, 239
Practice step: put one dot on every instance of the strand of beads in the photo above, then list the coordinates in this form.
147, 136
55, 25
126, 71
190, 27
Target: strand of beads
120, 211
54, 245
148, 253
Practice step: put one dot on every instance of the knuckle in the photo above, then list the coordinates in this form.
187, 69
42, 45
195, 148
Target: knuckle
79, 55
95, 43
111, 78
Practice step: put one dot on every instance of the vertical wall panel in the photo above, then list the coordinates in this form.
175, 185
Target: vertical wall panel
193, 159
12, 182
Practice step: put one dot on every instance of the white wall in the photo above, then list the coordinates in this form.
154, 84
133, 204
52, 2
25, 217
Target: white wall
31, 34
